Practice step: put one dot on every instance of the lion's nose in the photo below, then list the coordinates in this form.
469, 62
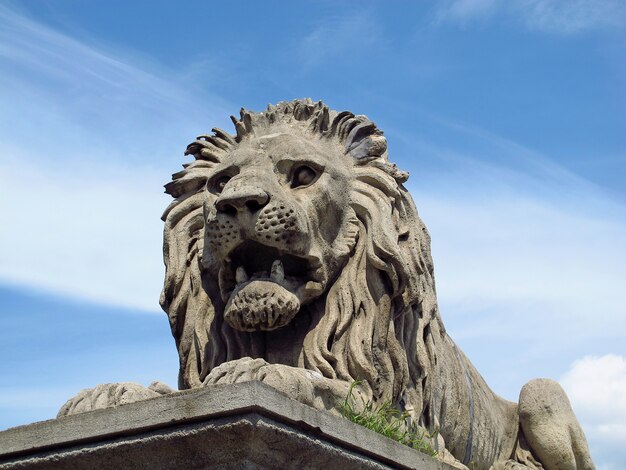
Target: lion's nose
244, 198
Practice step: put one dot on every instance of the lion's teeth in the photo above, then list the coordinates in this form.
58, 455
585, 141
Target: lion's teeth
278, 271
241, 275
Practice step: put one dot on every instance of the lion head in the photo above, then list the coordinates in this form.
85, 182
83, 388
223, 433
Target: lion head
278, 226
296, 242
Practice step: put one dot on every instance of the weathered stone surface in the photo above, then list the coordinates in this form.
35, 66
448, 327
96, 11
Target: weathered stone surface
246, 425
295, 257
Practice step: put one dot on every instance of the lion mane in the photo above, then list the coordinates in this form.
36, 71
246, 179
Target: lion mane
375, 323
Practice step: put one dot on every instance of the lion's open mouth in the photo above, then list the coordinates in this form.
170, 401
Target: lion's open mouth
254, 261
263, 287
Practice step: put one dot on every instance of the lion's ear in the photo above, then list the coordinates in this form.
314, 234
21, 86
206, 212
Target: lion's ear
347, 238
414, 246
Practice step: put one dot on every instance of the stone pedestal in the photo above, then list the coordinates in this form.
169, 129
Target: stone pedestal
248, 425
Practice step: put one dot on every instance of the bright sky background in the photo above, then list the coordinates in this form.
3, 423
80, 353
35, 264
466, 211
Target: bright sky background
509, 116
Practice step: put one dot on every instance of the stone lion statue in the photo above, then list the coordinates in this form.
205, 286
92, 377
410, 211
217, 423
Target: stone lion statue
295, 256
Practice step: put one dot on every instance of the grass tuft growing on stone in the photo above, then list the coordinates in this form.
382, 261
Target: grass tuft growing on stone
388, 421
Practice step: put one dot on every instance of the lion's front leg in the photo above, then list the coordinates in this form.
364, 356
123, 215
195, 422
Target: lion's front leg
306, 386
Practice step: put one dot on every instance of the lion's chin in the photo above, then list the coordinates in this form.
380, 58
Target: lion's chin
260, 305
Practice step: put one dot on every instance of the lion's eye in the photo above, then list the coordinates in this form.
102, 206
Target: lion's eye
303, 176
220, 183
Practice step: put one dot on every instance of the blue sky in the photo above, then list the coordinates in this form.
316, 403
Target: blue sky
509, 115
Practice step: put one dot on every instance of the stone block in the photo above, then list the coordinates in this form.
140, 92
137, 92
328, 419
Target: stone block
246, 425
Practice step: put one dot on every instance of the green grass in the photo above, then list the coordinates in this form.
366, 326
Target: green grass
388, 421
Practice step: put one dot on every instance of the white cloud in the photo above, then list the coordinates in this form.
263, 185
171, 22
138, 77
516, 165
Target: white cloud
596, 386
552, 16
93, 233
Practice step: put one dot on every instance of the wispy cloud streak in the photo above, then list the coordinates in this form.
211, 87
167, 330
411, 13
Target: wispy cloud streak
87, 140
551, 16
341, 39
51, 55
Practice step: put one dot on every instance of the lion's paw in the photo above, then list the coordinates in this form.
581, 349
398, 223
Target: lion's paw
295, 383
110, 395
306, 386
240, 370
